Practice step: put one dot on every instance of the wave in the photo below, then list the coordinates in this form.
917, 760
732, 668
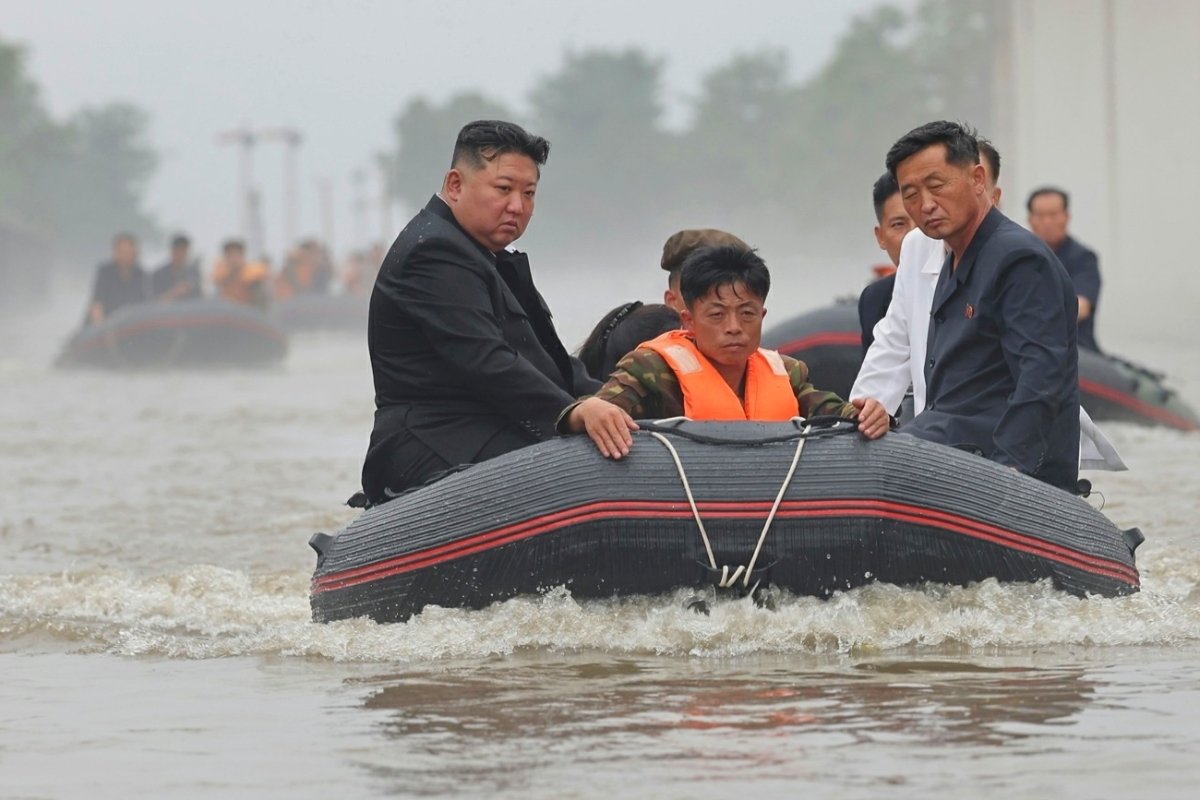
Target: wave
212, 612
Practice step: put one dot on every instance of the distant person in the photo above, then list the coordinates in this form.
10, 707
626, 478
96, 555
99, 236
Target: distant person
466, 362
895, 360
1049, 217
361, 269
679, 246
713, 369
892, 223
620, 331
179, 278
307, 270
1002, 373
238, 280
119, 282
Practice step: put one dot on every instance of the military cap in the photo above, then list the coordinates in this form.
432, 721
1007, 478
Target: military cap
681, 245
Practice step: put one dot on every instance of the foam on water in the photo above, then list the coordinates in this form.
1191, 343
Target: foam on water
208, 612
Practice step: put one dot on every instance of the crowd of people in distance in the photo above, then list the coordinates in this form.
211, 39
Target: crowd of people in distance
307, 270
984, 324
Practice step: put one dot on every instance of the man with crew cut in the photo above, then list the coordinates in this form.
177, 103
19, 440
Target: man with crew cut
466, 362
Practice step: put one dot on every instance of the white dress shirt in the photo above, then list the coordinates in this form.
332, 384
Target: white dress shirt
896, 359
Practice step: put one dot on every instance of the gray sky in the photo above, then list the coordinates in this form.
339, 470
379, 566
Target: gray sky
341, 71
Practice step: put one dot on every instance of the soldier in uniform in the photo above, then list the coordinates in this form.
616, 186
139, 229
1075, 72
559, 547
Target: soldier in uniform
713, 369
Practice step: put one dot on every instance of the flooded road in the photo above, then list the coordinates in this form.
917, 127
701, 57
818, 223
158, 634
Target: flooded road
154, 633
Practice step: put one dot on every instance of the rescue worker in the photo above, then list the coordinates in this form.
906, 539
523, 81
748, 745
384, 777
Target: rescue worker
238, 280
179, 278
712, 369
119, 282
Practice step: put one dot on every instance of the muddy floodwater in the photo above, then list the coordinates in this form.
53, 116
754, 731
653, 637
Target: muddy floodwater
155, 636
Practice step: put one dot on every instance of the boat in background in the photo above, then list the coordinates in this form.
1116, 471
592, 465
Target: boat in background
207, 332
344, 313
829, 341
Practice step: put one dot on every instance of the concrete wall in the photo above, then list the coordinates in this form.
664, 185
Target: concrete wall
1102, 97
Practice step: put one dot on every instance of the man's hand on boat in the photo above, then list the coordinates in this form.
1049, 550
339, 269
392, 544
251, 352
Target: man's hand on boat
605, 424
873, 418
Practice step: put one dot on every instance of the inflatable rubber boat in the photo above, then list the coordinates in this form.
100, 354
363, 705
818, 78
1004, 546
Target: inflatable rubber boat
323, 312
739, 506
208, 332
829, 340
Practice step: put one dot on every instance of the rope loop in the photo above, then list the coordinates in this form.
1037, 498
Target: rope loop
729, 579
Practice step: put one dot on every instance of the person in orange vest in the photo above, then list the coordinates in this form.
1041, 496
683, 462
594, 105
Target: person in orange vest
238, 280
712, 369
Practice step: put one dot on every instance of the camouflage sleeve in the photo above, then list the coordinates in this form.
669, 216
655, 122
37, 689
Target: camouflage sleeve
642, 384
813, 402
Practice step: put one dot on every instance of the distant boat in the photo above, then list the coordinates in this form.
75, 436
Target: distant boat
323, 312
811, 511
208, 332
829, 341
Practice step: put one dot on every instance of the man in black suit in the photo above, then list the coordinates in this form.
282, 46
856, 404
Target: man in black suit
1002, 362
1049, 215
466, 361
892, 224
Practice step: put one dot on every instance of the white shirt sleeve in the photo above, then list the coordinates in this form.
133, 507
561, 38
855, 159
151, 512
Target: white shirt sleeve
884, 374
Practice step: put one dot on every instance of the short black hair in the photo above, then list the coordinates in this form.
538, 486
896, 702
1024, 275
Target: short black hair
961, 141
180, 240
710, 268
233, 244
620, 331
1041, 190
482, 140
884, 188
988, 151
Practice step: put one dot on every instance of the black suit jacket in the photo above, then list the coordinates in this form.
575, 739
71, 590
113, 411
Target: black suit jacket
873, 306
456, 357
1002, 370
1084, 268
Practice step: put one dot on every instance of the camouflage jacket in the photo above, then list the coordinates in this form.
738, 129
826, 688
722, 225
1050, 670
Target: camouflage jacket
644, 385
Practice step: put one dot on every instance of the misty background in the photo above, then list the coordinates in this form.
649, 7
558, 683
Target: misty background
769, 119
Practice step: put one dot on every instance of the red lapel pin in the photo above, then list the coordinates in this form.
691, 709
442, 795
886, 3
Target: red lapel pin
969, 312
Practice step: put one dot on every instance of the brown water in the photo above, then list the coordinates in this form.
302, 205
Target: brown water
154, 633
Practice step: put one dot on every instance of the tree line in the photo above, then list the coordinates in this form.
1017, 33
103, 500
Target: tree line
69, 183
760, 152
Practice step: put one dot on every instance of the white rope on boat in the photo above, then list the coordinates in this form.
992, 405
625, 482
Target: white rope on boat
728, 580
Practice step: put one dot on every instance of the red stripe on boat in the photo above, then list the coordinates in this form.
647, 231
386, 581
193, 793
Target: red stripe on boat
124, 332
795, 509
827, 339
1137, 405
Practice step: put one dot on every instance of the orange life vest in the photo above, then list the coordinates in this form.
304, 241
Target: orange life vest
706, 395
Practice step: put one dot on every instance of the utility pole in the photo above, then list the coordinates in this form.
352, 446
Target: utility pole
358, 206
292, 139
325, 194
244, 139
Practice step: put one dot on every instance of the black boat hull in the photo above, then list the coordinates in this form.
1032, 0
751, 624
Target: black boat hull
829, 341
191, 333
898, 510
